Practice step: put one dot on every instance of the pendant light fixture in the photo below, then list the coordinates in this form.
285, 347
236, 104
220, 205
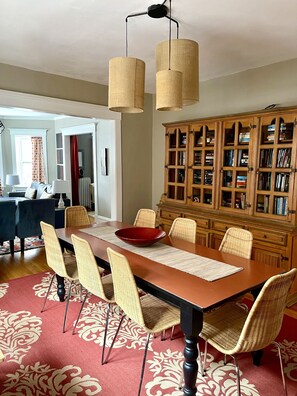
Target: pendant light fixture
184, 58
169, 83
126, 83
176, 77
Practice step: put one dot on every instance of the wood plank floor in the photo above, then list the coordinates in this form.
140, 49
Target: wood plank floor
34, 261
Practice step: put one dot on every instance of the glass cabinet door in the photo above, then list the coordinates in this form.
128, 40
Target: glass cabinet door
202, 158
236, 160
176, 163
275, 167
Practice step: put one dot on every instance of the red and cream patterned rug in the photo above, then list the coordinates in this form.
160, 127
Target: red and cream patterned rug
30, 243
41, 360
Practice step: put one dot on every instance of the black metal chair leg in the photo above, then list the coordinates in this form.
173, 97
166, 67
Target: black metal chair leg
105, 334
110, 348
143, 363
81, 308
47, 293
67, 304
11, 244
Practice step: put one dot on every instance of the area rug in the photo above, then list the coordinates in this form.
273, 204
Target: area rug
30, 243
41, 360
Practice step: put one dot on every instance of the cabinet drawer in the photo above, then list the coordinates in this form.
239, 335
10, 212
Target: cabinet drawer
165, 214
200, 221
279, 238
219, 226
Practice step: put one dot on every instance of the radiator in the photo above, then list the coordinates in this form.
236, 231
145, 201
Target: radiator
84, 191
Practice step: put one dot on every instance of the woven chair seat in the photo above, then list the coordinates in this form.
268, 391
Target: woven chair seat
158, 314
224, 327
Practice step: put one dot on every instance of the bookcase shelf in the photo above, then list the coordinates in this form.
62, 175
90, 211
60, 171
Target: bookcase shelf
238, 170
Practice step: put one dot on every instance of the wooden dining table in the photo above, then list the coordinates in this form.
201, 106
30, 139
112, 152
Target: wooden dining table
193, 295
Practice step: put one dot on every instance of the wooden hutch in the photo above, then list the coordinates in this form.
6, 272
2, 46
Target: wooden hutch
238, 170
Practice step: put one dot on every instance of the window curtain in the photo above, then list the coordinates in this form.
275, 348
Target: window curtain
37, 160
1, 192
74, 169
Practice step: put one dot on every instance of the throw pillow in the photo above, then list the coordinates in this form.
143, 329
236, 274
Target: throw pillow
30, 193
46, 195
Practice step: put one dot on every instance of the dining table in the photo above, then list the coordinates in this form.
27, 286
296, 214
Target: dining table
195, 278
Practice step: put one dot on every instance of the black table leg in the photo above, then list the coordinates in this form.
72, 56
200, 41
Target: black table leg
191, 324
61, 287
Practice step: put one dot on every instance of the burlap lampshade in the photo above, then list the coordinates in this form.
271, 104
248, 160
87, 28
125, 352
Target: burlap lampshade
184, 58
126, 85
169, 90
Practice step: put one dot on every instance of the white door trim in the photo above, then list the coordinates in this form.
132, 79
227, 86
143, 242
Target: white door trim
75, 109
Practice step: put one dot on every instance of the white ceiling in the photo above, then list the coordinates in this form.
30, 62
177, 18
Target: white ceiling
76, 38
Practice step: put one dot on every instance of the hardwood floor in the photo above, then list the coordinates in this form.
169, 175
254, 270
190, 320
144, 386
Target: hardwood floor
33, 261
20, 264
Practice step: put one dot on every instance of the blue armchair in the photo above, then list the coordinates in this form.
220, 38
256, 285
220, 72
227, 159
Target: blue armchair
7, 223
29, 213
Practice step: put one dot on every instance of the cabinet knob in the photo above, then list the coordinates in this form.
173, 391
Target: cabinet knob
284, 258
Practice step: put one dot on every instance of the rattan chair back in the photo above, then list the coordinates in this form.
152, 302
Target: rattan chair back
76, 216
88, 271
145, 218
184, 228
237, 241
265, 318
125, 289
53, 251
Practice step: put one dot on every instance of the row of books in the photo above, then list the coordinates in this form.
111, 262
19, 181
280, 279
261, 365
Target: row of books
241, 181
283, 158
266, 156
281, 206
264, 181
282, 182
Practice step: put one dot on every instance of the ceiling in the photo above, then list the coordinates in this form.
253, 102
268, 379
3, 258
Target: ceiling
76, 38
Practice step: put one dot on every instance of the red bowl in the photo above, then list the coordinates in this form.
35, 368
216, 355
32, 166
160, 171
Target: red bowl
140, 236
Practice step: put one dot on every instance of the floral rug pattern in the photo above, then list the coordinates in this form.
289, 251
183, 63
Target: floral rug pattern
40, 359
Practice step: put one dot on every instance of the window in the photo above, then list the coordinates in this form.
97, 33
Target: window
21, 146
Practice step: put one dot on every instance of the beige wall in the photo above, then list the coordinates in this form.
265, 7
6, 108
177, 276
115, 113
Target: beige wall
247, 91
136, 129
143, 134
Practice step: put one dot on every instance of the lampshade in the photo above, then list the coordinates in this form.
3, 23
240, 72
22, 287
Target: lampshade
61, 186
169, 90
12, 180
184, 58
126, 85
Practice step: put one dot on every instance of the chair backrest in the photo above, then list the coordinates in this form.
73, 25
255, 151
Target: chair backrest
53, 251
76, 216
88, 270
237, 241
184, 228
125, 289
145, 218
265, 318
7, 220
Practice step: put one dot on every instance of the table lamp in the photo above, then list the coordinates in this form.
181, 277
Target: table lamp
61, 187
12, 180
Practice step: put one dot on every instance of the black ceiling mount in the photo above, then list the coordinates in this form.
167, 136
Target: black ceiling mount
157, 11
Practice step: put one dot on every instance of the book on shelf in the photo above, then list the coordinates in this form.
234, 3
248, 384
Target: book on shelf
241, 181
244, 137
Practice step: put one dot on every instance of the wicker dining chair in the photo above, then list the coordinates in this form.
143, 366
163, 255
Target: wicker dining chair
145, 218
76, 216
89, 275
62, 264
232, 330
184, 228
237, 241
150, 313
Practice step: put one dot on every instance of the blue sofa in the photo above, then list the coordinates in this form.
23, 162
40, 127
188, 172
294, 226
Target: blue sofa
40, 188
29, 213
7, 222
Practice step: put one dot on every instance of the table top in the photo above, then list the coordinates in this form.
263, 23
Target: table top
175, 285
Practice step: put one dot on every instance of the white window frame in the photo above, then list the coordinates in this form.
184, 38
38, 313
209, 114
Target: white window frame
31, 132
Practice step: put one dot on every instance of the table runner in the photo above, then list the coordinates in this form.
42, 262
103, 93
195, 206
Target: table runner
203, 267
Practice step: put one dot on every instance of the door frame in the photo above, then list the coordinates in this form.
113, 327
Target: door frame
75, 109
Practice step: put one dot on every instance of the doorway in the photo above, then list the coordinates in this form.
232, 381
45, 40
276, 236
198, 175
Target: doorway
104, 120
